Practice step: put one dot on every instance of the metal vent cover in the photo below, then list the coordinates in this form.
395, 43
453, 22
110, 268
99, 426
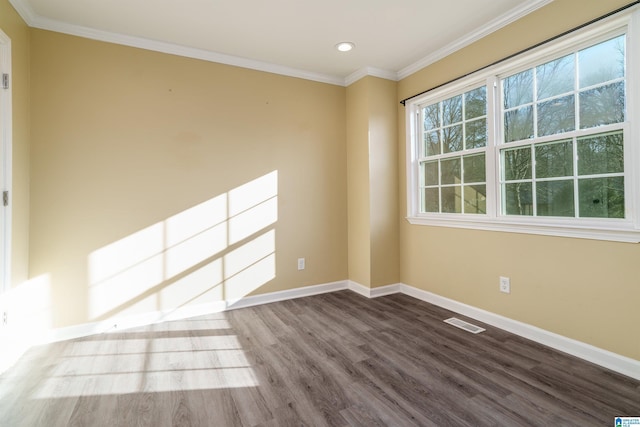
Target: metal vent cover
464, 325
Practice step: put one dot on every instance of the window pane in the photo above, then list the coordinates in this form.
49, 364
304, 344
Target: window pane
452, 139
452, 110
475, 199
518, 124
555, 77
475, 103
601, 154
518, 89
518, 199
555, 159
431, 115
517, 163
432, 143
555, 198
474, 168
476, 134
602, 105
450, 170
451, 199
602, 197
602, 62
431, 202
430, 173
557, 115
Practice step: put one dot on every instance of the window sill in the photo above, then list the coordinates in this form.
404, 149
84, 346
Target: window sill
558, 228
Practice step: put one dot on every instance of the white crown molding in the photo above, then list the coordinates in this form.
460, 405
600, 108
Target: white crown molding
494, 25
24, 10
370, 71
36, 21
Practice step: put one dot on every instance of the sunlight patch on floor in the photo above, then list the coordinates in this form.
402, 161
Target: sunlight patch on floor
121, 365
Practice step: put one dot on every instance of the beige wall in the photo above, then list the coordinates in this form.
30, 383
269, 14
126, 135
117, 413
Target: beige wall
372, 182
586, 290
15, 28
383, 175
359, 230
126, 140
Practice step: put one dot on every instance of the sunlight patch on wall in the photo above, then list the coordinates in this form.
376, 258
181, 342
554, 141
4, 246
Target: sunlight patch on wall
221, 249
203, 285
254, 262
245, 223
242, 283
196, 236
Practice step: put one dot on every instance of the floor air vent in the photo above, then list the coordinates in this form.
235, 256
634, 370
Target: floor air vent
464, 325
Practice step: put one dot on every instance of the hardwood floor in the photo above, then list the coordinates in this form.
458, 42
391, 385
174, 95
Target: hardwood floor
336, 359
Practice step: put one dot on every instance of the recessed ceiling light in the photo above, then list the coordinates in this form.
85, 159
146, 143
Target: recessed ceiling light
345, 46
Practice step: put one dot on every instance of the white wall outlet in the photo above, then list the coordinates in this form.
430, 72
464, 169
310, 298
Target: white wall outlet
300, 263
505, 285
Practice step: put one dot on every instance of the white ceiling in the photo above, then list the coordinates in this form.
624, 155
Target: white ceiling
293, 37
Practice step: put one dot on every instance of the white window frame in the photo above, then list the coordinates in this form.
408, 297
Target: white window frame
621, 230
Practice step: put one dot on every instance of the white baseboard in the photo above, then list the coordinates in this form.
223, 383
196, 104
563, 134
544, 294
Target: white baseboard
358, 288
373, 292
132, 321
607, 359
615, 362
305, 291
149, 318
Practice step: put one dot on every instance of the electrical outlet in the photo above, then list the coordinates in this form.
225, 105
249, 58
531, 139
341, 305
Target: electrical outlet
300, 263
505, 285
5, 318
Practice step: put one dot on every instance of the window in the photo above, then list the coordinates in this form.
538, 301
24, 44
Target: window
452, 162
580, 172
542, 143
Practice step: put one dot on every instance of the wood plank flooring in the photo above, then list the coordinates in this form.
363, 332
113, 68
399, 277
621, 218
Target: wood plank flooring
336, 359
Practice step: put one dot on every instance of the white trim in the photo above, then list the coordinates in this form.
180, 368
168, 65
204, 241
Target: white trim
559, 229
385, 290
370, 71
132, 321
305, 291
633, 110
373, 292
615, 362
149, 318
497, 23
25, 10
6, 146
359, 289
